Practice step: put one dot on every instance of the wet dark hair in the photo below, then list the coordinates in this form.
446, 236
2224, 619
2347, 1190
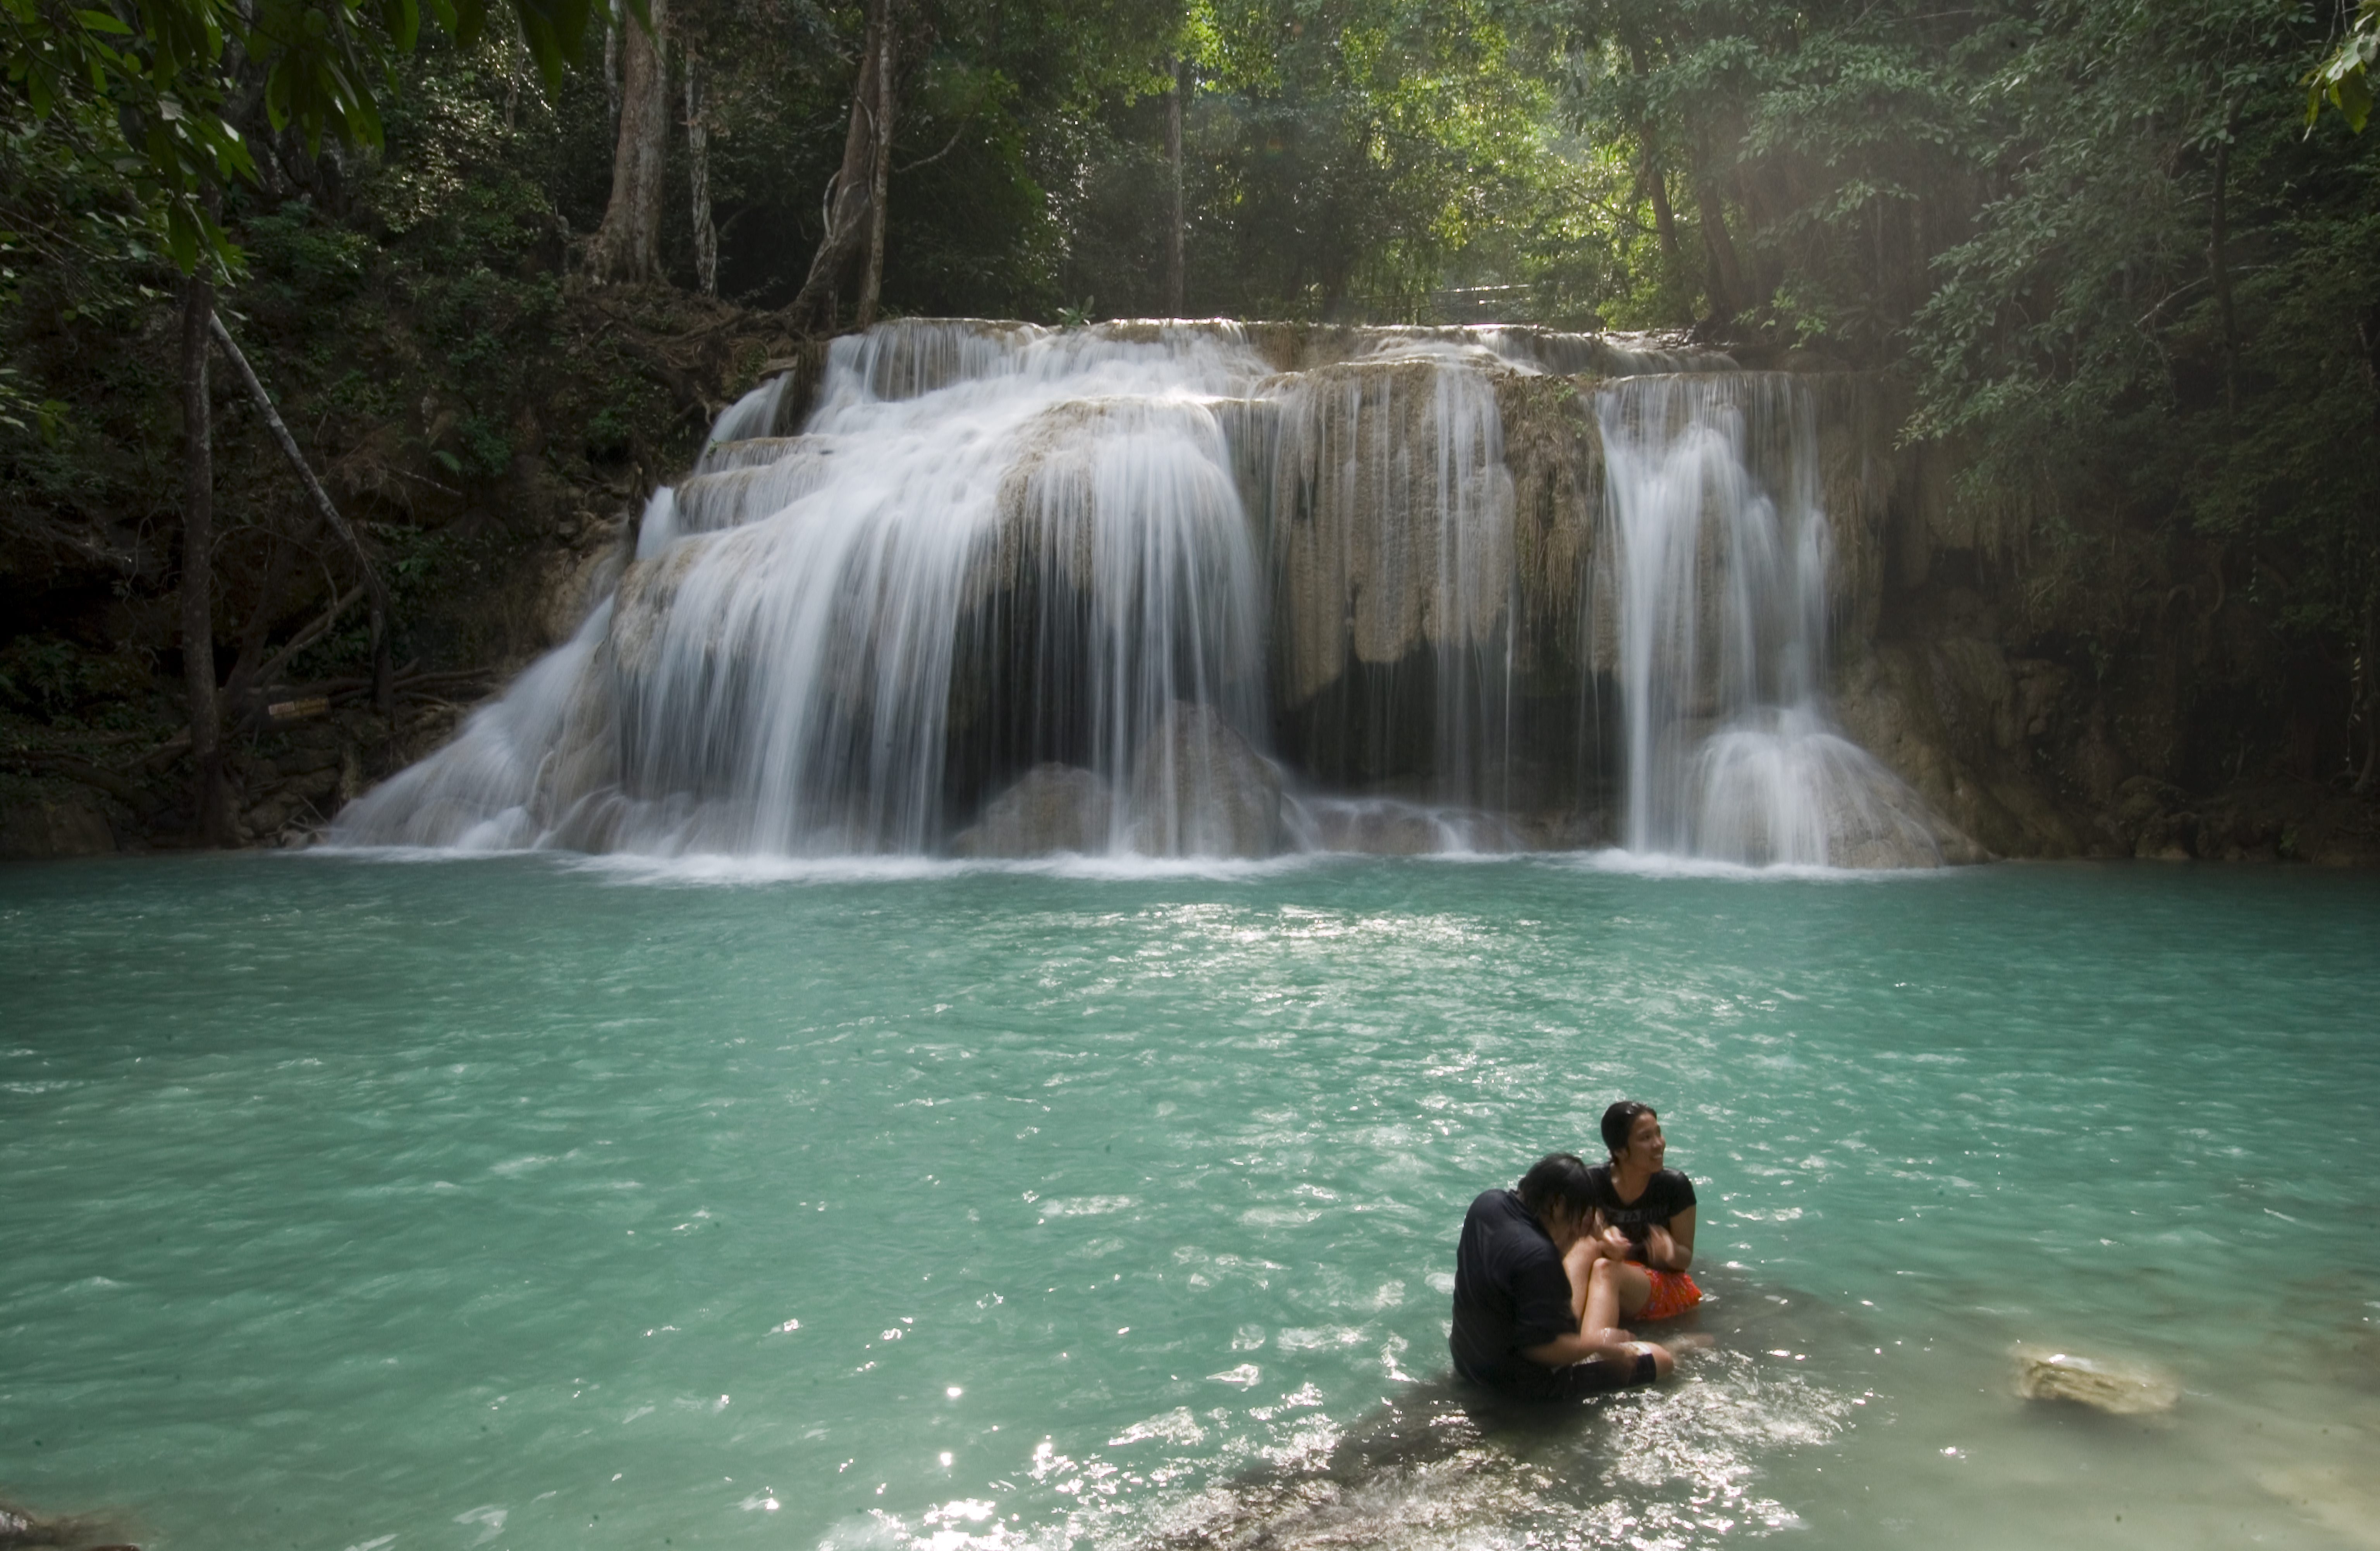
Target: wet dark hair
1556, 1180
1618, 1120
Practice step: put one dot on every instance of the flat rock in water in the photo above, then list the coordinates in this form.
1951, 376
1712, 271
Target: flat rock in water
2119, 1388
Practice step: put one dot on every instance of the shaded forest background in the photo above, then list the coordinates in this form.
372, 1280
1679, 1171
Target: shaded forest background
2128, 284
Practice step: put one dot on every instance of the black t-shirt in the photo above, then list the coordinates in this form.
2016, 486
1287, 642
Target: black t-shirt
1510, 1293
1668, 1193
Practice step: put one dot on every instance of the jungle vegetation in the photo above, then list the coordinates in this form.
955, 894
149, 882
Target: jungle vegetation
2123, 256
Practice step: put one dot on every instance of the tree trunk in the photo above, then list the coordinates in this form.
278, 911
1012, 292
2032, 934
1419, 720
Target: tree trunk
209, 802
871, 284
2218, 268
1726, 276
260, 625
1173, 271
849, 216
698, 158
627, 247
1665, 220
1656, 177
612, 25
2365, 786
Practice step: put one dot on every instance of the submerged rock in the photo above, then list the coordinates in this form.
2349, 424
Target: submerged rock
21, 1527
2119, 1388
1385, 826
1199, 790
1052, 808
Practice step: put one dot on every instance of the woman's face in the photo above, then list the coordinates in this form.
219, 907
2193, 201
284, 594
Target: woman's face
1646, 1146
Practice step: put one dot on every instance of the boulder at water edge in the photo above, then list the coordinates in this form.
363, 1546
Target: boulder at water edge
1199, 790
2119, 1388
41, 826
1053, 808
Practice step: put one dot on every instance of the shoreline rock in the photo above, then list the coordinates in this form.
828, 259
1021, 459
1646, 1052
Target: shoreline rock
2116, 1388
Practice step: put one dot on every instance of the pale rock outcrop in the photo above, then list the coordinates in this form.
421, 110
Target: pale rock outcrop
1391, 519
1199, 790
1052, 808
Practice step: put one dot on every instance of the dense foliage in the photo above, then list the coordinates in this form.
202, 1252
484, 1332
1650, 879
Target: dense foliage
2124, 257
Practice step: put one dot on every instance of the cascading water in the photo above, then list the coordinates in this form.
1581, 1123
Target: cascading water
1721, 552
1012, 590
777, 672
1391, 524
993, 551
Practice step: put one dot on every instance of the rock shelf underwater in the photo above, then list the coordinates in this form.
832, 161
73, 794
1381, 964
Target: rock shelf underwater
1215, 589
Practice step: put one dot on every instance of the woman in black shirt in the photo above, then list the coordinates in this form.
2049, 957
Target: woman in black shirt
1632, 1266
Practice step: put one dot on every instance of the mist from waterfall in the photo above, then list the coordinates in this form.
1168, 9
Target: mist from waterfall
1722, 558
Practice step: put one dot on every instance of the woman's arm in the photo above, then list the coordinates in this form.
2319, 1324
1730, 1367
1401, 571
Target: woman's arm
1563, 1351
1673, 1248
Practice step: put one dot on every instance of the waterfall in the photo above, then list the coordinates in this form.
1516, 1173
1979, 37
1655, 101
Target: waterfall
1721, 553
1392, 540
1187, 589
1026, 543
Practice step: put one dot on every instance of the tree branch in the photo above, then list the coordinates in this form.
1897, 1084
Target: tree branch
321, 499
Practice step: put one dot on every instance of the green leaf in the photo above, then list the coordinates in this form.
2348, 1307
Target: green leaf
2352, 96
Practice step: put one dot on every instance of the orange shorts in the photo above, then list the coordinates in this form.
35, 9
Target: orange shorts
1673, 1293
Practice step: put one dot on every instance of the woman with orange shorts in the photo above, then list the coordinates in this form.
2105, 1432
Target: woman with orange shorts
1633, 1266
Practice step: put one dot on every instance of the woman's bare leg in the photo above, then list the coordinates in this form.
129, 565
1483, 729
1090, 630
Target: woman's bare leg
1616, 1289
1579, 1266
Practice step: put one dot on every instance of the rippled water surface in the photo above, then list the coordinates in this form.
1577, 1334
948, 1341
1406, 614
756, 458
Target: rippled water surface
363, 1203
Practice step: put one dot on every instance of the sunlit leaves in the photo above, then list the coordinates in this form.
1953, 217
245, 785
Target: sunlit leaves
159, 69
2343, 79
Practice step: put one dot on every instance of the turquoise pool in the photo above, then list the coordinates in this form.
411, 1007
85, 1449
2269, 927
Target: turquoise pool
432, 1205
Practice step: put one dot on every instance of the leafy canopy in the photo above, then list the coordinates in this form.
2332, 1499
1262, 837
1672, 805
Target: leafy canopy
163, 72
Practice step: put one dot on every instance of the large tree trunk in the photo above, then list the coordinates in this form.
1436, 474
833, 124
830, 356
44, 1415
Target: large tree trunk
850, 208
612, 65
627, 247
698, 166
872, 284
209, 800
1173, 273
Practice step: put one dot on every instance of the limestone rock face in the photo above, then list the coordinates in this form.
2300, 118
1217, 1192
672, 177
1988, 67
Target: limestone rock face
1199, 790
1953, 719
1052, 808
2119, 1388
1391, 519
